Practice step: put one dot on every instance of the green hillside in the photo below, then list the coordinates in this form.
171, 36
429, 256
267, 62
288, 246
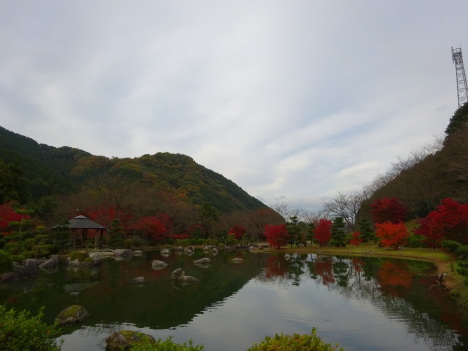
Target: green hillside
32, 172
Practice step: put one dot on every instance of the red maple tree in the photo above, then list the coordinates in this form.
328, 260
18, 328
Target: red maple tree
356, 239
391, 234
151, 227
276, 235
448, 221
238, 231
388, 209
322, 231
7, 215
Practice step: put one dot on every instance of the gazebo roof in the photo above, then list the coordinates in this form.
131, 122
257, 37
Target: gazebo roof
81, 222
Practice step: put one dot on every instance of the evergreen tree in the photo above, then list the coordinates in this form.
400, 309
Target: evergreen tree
338, 233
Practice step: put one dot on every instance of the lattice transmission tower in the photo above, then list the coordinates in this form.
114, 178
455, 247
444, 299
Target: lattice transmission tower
461, 77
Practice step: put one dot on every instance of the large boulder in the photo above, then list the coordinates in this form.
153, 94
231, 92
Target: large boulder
51, 263
237, 260
203, 262
123, 340
156, 264
124, 253
8, 277
31, 267
176, 273
138, 280
72, 314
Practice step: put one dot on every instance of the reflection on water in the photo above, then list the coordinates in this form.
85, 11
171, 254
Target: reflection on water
360, 303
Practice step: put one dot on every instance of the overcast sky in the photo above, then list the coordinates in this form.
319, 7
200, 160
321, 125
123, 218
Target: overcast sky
292, 100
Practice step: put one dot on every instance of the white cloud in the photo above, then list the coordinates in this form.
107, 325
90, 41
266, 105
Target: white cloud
293, 101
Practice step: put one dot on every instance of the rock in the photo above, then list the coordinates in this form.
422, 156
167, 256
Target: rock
186, 278
179, 275
156, 264
176, 274
49, 264
188, 251
287, 257
124, 340
138, 280
237, 260
165, 252
72, 314
179, 248
21, 271
97, 255
137, 253
125, 253
202, 261
8, 277
31, 267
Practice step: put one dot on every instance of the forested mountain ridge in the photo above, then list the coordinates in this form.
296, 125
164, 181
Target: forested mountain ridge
430, 174
33, 171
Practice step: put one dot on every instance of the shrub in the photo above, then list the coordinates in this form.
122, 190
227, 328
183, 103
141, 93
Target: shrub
80, 255
166, 345
450, 245
415, 241
462, 250
295, 342
6, 262
20, 331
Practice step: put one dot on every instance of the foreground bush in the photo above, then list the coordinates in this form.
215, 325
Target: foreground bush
165, 345
295, 342
20, 331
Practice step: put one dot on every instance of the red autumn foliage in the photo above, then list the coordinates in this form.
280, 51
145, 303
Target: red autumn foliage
356, 239
391, 234
449, 221
104, 215
388, 209
322, 231
7, 215
238, 231
276, 235
394, 279
151, 227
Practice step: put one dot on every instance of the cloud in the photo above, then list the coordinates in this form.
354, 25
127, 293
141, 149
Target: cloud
293, 102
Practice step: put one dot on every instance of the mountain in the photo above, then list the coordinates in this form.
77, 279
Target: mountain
33, 172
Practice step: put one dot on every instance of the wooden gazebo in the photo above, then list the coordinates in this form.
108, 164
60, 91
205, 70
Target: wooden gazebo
79, 227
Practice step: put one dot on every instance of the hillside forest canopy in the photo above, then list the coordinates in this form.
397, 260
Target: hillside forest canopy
162, 198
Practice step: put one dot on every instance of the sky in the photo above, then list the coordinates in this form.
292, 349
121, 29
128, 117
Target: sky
294, 101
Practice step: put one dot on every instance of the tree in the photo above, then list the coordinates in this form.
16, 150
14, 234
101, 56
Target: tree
238, 231
356, 239
391, 235
276, 235
294, 231
458, 121
346, 206
322, 231
388, 209
448, 222
365, 230
338, 234
151, 227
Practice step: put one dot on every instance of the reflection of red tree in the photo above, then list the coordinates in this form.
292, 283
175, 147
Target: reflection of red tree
357, 264
274, 267
394, 279
324, 271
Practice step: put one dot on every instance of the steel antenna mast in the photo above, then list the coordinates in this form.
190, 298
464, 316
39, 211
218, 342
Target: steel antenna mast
461, 77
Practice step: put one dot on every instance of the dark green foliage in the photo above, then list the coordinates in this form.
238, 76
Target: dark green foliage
462, 250
458, 121
6, 262
37, 171
365, 230
21, 331
294, 231
415, 241
338, 234
295, 342
165, 345
450, 245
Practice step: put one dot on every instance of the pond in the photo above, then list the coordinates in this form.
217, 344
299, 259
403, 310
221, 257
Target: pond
359, 303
